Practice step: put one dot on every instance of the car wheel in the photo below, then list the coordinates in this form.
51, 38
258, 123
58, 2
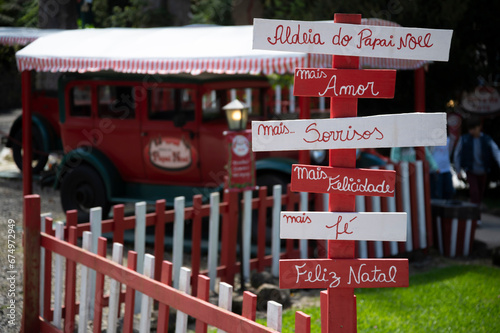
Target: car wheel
39, 157
82, 189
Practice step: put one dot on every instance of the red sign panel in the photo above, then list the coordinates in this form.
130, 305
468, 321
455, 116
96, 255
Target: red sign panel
320, 179
241, 166
343, 273
353, 83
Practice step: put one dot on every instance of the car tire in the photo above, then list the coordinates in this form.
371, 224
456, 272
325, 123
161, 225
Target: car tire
39, 157
82, 188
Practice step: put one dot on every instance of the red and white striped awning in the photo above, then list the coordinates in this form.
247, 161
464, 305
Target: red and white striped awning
22, 36
191, 49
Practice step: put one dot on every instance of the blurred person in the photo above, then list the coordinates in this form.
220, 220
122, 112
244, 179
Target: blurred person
475, 153
441, 181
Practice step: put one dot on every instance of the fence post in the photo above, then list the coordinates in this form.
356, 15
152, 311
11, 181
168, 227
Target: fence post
276, 241
114, 290
229, 237
31, 264
246, 235
146, 301
196, 242
139, 245
159, 249
178, 242
274, 317
213, 238
58, 285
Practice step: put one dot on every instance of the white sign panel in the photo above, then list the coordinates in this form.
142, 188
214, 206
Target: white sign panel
352, 39
396, 130
343, 226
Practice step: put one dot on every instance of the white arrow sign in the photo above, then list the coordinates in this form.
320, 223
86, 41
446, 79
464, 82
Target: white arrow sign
397, 130
352, 39
343, 226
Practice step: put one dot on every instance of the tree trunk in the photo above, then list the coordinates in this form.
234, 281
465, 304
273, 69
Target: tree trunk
57, 14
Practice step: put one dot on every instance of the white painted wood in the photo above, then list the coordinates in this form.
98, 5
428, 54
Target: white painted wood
233, 94
184, 286
406, 197
326, 202
276, 242
303, 206
453, 240
42, 259
420, 193
96, 230
277, 99
327, 37
395, 130
58, 280
114, 290
376, 208
468, 230
322, 103
246, 233
225, 298
146, 301
213, 238
362, 245
274, 315
291, 98
139, 245
178, 242
83, 315
343, 226
391, 207
248, 99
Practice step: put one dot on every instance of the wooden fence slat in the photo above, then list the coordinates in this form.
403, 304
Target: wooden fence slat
213, 238
114, 290
140, 245
96, 230
196, 241
70, 297
406, 198
118, 223
391, 207
42, 259
323, 300
47, 314
178, 241
225, 297
420, 194
261, 228
146, 301
302, 322
184, 283
128, 317
159, 248
274, 310
58, 278
276, 241
249, 309
163, 309
99, 288
246, 235
84, 287
203, 294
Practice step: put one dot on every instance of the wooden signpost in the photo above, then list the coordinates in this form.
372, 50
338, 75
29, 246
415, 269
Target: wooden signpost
346, 39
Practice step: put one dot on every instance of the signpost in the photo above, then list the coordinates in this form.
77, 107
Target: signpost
346, 39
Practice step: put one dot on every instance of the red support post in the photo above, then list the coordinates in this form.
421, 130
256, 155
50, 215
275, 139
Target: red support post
26, 124
341, 302
419, 82
31, 264
159, 236
230, 237
163, 309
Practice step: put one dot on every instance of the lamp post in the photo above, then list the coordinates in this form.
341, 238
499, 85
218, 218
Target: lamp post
237, 115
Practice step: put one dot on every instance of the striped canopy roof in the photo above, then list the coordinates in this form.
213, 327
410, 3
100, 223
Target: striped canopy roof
191, 49
22, 36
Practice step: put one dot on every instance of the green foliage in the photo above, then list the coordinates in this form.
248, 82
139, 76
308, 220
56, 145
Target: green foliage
19, 13
212, 12
463, 298
134, 14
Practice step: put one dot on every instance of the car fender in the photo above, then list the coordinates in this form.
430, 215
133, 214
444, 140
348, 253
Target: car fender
98, 160
275, 164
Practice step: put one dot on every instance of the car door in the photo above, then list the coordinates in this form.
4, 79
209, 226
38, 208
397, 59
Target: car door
169, 135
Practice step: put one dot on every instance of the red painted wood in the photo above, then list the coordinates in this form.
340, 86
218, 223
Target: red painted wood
159, 221
229, 237
302, 322
344, 83
71, 221
209, 313
351, 181
261, 227
99, 287
291, 200
47, 327
163, 309
31, 264
249, 309
70, 289
203, 294
26, 125
196, 242
323, 298
47, 280
118, 223
343, 273
128, 318
340, 302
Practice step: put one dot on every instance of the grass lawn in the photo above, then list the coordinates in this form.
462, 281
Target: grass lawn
460, 298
